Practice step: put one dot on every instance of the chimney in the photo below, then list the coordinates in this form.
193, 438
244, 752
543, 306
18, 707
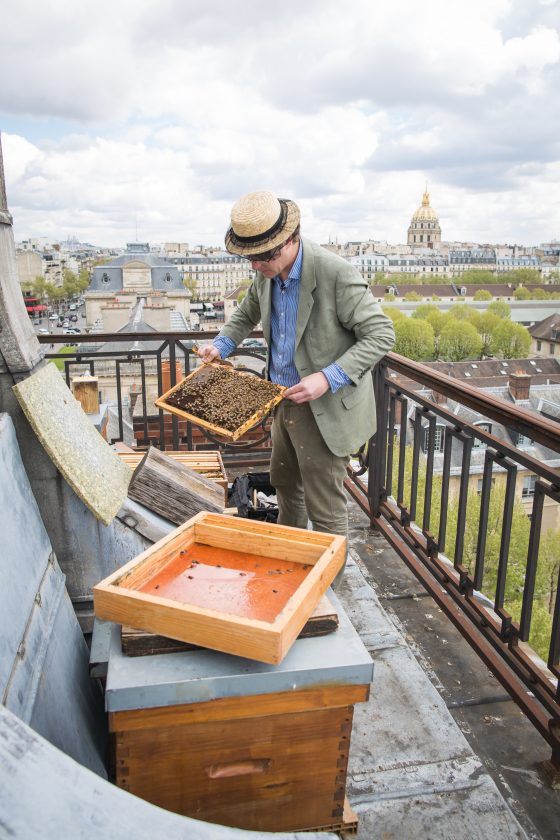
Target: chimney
519, 385
438, 397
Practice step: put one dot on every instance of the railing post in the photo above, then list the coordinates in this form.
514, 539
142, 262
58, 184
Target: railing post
378, 443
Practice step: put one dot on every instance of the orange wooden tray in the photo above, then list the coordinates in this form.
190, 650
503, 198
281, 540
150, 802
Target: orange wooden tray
234, 585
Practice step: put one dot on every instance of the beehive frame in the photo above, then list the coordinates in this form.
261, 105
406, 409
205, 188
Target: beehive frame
118, 599
262, 412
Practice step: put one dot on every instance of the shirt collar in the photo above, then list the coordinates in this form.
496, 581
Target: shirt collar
295, 271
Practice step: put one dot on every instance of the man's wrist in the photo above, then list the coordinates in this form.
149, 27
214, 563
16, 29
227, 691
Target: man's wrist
336, 377
224, 346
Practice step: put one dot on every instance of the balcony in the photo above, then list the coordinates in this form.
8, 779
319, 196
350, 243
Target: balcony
419, 587
424, 533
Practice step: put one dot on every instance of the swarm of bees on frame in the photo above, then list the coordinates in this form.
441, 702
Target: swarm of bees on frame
223, 397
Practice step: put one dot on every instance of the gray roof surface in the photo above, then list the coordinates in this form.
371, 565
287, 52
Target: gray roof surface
544, 328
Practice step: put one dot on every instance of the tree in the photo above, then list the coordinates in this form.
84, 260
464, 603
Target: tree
438, 320
485, 324
510, 341
393, 313
460, 311
190, 284
521, 293
39, 286
414, 339
499, 308
412, 296
244, 285
479, 276
70, 283
482, 294
524, 276
424, 310
459, 340
84, 280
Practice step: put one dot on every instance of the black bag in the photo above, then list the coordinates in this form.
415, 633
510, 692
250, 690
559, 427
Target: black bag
243, 496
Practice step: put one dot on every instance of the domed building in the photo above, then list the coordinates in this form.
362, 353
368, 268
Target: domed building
424, 230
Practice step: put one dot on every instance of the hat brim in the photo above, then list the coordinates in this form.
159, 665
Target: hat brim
267, 243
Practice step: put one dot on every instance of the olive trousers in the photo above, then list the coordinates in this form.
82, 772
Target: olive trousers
307, 476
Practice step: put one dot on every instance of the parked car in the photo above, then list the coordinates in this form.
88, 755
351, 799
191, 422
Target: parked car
73, 317
59, 324
44, 331
66, 323
252, 342
53, 317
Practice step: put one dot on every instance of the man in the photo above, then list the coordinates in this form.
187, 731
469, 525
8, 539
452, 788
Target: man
324, 333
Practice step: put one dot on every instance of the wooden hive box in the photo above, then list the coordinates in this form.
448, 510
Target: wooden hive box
220, 389
234, 585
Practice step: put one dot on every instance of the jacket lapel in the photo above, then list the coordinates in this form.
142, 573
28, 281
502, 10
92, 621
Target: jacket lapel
307, 285
266, 305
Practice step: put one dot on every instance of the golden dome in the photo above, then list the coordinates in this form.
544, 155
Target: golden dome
425, 213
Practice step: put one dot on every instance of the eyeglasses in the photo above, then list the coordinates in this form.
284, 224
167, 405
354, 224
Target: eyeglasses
268, 256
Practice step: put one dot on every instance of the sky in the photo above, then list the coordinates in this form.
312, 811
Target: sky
144, 120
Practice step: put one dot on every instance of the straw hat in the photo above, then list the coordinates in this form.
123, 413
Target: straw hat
260, 222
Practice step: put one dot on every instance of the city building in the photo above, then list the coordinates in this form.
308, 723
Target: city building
545, 337
212, 275
117, 286
424, 230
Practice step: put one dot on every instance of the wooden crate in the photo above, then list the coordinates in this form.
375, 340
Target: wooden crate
200, 374
207, 463
233, 585
273, 762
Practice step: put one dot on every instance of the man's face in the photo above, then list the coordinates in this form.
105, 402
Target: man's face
283, 259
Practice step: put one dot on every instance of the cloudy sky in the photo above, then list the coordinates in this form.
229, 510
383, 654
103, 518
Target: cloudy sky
125, 119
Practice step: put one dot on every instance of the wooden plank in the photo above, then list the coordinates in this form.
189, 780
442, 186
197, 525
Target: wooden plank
286, 773
323, 621
329, 696
171, 489
269, 545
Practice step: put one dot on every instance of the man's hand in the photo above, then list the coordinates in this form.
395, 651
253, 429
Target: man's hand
310, 388
208, 353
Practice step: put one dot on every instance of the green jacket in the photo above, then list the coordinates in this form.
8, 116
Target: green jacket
337, 321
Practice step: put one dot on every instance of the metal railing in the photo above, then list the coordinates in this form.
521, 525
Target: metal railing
155, 362
435, 436
415, 481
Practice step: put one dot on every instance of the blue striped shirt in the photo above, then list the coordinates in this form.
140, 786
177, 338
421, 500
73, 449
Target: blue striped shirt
283, 318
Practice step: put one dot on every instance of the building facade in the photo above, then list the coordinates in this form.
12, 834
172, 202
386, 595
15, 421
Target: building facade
424, 230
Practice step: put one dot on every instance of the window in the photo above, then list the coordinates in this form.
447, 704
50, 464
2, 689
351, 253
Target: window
528, 488
539, 345
523, 441
484, 427
439, 437
551, 349
479, 485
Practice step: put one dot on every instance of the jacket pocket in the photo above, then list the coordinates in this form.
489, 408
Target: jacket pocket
355, 396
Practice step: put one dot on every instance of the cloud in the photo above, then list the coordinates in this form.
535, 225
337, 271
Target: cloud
165, 112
